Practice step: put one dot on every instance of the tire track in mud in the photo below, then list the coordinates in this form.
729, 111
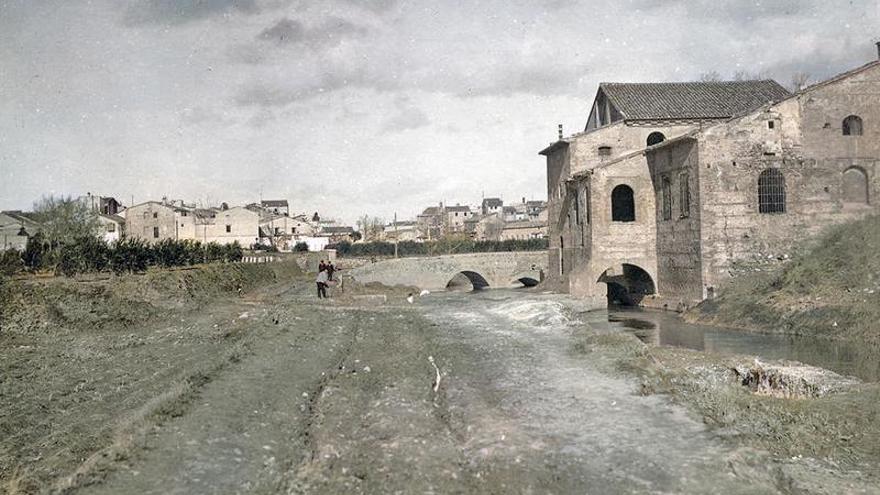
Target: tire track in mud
242, 432
311, 422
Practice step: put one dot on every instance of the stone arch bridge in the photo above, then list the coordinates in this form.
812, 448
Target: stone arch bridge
480, 270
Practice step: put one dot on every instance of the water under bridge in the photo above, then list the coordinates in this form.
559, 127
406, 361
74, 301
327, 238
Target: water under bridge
480, 270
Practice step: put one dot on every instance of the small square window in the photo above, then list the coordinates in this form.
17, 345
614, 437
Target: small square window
770, 124
155, 215
155, 232
229, 228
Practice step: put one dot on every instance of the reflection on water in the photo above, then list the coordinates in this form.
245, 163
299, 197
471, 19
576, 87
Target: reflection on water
659, 328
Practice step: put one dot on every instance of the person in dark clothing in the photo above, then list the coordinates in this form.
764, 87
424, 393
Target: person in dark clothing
322, 266
330, 270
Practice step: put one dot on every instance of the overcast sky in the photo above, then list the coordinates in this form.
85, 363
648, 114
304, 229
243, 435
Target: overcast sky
350, 107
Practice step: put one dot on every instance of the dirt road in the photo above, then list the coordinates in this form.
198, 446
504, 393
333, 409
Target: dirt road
457, 393
335, 399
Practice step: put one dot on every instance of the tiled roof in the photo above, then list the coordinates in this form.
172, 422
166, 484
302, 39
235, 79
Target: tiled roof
458, 208
492, 202
274, 202
431, 210
691, 100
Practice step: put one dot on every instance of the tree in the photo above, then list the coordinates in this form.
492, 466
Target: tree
65, 219
371, 228
744, 75
711, 76
799, 81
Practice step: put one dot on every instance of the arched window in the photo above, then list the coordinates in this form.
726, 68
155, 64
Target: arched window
771, 191
666, 193
655, 138
855, 186
852, 126
623, 206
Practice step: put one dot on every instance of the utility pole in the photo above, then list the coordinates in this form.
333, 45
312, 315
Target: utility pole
395, 234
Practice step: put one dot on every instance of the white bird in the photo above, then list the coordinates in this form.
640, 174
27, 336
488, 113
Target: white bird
410, 298
424, 293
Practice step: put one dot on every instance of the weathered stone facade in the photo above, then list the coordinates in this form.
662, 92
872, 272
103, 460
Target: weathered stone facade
664, 222
823, 177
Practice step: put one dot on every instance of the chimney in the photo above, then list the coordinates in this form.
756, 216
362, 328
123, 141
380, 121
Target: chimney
560, 125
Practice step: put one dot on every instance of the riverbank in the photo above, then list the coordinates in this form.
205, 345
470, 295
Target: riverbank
831, 289
239, 379
89, 364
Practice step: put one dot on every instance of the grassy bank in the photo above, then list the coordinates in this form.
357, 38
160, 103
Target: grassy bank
103, 300
831, 289
822, 430
89, 365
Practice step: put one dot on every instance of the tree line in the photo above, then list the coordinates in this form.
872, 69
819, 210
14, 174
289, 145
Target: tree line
68, 243
89, 254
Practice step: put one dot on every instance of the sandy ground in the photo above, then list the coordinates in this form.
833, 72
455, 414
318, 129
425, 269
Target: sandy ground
277, 392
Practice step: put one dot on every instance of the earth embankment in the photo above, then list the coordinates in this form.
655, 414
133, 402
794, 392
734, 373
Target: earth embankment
88, 364
830, 289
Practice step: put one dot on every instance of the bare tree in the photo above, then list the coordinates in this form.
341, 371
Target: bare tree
799, 81
711, 76
371, 227
744, 75
64, 219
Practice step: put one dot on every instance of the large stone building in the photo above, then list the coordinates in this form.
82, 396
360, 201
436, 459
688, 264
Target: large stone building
671, 184
155, 221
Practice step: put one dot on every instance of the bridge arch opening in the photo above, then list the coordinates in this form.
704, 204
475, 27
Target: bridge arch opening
527, 281
467, 280
627, 284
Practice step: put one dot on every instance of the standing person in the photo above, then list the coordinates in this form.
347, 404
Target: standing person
330, 270
321, 281
322, 266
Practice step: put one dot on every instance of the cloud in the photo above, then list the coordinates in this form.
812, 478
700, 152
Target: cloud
406, 117
183, 11
377, 6
267, 95
283, 32
245, 54
330, 31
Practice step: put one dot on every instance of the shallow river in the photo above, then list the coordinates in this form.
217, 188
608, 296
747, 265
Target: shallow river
532, 403
667, 329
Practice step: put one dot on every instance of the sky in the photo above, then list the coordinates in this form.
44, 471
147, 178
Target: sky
352, 107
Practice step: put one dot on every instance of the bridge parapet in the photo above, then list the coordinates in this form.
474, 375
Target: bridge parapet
499, 270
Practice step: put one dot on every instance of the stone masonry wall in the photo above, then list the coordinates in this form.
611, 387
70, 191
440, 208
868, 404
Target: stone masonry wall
679, 277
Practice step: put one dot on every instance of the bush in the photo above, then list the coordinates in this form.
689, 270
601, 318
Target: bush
301, 247
84, 254
131, 255
10, 262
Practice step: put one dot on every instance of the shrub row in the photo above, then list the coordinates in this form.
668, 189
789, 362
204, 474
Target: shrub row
90, 254
446, 246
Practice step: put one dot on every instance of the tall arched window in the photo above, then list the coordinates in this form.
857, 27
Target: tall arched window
655, 138
771, 191
666, 193
623, 205
852, 126
855, 186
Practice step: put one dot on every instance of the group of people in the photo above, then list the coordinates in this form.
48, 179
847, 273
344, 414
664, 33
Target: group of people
325, 276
